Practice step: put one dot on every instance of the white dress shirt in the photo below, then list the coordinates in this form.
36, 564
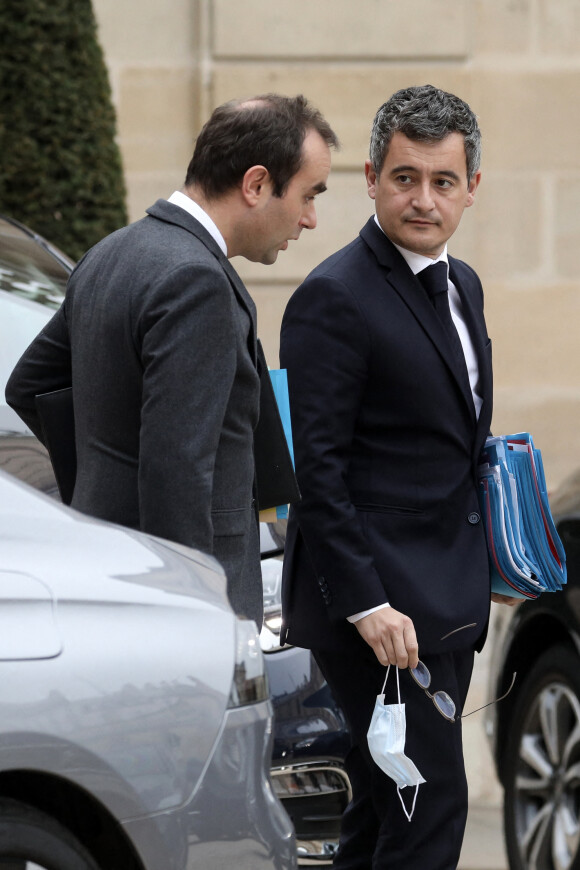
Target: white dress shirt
416, 263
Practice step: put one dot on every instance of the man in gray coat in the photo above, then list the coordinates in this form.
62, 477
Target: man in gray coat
157, 336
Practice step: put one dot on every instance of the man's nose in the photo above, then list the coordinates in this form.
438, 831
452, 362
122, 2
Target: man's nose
423, 197
308, 220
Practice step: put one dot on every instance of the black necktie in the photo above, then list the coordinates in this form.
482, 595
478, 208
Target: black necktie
434, 280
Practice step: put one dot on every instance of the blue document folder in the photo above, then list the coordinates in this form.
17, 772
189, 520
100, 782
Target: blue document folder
279, 378
277, 486
525, 552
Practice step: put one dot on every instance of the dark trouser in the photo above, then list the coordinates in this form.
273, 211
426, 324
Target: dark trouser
376, 834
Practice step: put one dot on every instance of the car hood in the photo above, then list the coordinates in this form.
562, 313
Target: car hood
83, 559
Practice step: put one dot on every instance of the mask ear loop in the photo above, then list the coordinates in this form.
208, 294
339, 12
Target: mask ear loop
386, 678
409, 815
398, 687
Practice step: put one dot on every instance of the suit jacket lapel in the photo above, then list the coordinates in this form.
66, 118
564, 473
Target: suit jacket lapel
471, 307
400, 277
173, 214
475, 324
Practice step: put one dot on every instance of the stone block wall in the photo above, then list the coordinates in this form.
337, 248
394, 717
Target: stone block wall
517, 62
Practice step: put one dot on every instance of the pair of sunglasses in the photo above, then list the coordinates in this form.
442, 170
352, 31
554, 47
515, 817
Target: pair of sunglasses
444, 702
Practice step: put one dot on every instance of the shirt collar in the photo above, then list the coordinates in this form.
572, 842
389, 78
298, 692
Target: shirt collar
188, 204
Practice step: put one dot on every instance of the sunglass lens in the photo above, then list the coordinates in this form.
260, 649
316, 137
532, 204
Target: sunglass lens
445, 704
421, 675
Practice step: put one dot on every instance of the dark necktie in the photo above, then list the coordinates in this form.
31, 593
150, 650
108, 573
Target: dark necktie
434, 280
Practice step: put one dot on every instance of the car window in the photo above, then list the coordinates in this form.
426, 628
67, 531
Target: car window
20, 322
32, 286
28, 270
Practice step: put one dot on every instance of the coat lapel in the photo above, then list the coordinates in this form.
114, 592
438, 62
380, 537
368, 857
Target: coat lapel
400, 277
471, 307
173, 214
472, 313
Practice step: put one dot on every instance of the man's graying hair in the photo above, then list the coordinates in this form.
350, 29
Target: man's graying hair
425, 114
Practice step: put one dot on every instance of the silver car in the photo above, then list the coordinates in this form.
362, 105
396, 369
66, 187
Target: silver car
135, 725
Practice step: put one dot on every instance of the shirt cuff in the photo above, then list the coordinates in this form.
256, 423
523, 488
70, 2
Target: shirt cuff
356, 616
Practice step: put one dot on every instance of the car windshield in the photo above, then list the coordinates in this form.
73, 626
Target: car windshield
28, 270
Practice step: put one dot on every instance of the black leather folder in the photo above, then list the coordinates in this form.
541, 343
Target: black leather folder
55, 411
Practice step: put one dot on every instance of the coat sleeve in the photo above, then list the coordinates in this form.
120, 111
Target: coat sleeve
44, 366
325, 347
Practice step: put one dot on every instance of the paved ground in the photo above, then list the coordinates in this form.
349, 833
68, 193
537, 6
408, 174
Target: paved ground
483, 847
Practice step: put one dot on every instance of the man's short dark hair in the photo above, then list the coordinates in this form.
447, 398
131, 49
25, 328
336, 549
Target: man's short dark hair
425, 114
268, 130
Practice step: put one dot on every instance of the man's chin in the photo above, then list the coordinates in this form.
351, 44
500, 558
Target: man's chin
422, 241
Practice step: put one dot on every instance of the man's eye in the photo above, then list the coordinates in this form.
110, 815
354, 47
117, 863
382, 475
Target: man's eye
404, 179
444, 183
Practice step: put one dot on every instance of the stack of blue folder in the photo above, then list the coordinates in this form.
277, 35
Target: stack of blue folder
525, 551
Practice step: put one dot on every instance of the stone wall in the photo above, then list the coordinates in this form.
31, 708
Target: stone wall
517, 62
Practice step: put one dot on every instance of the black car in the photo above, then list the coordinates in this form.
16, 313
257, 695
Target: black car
535, 731
310, 733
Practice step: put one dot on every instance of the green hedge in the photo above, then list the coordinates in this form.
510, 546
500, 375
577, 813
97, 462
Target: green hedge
60, 167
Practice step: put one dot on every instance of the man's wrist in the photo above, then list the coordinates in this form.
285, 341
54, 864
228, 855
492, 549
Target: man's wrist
356, 616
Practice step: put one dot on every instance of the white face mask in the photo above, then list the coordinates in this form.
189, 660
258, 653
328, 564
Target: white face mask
386, 739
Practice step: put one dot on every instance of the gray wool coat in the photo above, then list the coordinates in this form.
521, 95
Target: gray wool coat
157, 335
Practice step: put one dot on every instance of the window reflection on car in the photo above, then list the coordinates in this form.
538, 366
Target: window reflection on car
30, 269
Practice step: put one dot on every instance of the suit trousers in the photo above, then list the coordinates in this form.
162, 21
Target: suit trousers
375, 833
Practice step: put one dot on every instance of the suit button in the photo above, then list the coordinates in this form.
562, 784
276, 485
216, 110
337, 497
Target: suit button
473, 518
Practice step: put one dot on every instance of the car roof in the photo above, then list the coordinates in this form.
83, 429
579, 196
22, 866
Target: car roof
10, 226
565, 501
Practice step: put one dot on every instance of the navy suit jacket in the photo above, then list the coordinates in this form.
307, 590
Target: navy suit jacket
386, 445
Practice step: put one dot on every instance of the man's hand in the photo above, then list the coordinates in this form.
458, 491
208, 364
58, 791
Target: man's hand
504, 599
392, 636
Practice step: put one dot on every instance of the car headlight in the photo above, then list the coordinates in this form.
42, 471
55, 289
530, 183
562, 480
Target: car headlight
272, 588
250, 684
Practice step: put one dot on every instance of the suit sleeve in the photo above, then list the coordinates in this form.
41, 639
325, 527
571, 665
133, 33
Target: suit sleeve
189, 340
325, 346
44, 366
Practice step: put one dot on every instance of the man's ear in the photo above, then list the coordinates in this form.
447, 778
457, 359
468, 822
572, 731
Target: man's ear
255, 184
371, 177
472, 187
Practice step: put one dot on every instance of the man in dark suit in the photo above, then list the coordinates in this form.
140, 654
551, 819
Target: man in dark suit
157, 335
391, 402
